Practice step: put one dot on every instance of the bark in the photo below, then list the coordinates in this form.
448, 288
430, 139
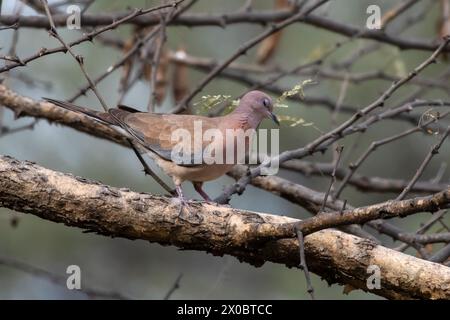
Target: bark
250, 236
24, 106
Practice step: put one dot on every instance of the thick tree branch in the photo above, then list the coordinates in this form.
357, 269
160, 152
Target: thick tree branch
298, 194
251, 237
23, 106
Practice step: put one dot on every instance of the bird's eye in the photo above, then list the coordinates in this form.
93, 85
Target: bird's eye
266, 102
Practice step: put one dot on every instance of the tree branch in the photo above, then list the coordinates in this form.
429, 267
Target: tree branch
23, 106
222, 20
251, 237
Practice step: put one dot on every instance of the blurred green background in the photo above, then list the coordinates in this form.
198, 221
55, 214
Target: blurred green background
144, 270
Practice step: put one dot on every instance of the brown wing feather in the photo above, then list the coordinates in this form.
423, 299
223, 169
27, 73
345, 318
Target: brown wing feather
102, 116
153, 131
157, 130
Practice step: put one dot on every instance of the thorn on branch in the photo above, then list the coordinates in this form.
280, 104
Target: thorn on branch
42, 51
52, 31
79, 58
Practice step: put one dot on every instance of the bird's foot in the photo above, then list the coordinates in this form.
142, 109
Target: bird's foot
187, 214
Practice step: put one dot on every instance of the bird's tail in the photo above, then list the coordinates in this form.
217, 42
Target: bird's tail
101, 116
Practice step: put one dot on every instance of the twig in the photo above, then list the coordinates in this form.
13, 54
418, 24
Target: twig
89, 36
374, 145
130, 53
155, 63
5, 130
12, 26
361, 182
386, 210
303, 265
54, 33
433, 151
174, 287
333, 176
118, 64
149, 171
242, 49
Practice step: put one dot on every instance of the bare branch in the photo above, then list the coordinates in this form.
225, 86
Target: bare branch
224, 19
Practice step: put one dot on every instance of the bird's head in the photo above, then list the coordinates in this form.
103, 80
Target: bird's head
258, 106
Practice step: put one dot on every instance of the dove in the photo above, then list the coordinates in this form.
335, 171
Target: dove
154, 134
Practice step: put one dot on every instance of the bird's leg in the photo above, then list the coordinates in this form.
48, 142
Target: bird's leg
184, 205
198, 188
182, 199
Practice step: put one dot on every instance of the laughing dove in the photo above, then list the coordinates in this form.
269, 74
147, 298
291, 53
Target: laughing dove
155, 133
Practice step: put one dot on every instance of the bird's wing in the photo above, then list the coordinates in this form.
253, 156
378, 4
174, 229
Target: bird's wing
161, 133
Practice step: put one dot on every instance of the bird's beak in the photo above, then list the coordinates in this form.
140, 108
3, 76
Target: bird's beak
274, 118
